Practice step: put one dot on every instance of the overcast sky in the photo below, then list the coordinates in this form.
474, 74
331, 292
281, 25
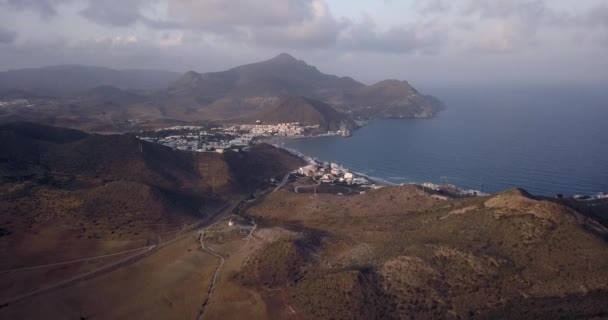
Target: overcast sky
429, 42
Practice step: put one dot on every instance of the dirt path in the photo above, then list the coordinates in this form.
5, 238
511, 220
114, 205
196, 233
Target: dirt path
215, 275
252, 230
81, 277
117, 264
283, 182
77, 260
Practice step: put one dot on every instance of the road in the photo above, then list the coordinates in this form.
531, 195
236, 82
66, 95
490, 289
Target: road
283, 182
83, 276
120, 263
252, 230
215, 274
134, 258
77, 260
297, 189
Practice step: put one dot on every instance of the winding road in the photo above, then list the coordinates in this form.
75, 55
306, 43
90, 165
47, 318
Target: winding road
219, 267
283, 182
83, 276
215, 274
255, 226
111, 266
77, 260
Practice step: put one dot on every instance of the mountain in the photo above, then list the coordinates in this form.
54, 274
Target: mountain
305, 111
396, 252
70, 79
106, 100
249, 88
111, 192
114, 95
393, 99
401, 253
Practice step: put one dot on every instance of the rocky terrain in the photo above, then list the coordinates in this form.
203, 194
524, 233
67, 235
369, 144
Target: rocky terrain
65, 194
105, 100
307, 112
392, 253
399, 252
67, 80
249, 88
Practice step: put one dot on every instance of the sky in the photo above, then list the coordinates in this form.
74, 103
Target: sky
427, 42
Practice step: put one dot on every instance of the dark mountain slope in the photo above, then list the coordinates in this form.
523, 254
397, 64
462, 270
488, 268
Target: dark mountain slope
71, 79
246, 89
108, 192
106, 100
305, 111
109, 94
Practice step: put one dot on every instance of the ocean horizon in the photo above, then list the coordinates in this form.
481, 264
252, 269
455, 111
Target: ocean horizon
545, 141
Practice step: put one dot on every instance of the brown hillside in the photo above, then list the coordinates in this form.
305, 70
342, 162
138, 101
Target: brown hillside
305, 111
238, 91
112, 192
410, 255
110, 105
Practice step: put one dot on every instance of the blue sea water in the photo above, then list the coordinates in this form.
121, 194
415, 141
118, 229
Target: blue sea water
546, 141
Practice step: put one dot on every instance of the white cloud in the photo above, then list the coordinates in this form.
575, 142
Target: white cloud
365, 35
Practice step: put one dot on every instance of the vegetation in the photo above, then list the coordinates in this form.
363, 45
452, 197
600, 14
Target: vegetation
428, 259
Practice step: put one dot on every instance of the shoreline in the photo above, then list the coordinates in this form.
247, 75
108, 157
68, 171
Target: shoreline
449, 188
380, 182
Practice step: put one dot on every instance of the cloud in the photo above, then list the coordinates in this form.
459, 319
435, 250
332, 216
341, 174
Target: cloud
7, 36
366, 36
219, 15
318, 29
508, 25
46, 8
275, 23
432, 6
114, 13
597, 16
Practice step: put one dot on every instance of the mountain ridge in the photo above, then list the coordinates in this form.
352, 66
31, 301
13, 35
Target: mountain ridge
307, 112
285, 75
98, 99
77, 78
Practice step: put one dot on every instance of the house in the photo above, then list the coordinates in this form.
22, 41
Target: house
328, 178
306, 170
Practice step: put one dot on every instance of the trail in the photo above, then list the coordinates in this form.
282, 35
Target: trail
120, 263
252, 230
283, 182
77, 260
215, 275
81, 277
297, 189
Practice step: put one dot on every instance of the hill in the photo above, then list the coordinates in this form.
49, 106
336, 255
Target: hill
71, 79
83, 194
391, 253
307, 112
393, 99
98, 99
247, 89
403, 253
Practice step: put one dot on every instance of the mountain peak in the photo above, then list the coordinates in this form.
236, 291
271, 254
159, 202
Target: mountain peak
285, 57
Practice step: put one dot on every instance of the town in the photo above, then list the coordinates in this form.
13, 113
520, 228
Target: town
215, 138
328, 172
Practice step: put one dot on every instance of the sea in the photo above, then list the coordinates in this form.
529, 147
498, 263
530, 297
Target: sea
547, 141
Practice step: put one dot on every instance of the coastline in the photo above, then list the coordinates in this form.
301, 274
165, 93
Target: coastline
446, 188
380, 182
